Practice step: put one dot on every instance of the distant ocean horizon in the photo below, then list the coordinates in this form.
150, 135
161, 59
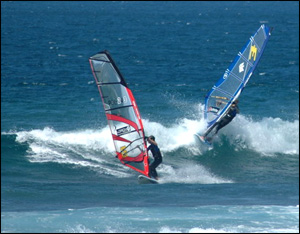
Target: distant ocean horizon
58, 170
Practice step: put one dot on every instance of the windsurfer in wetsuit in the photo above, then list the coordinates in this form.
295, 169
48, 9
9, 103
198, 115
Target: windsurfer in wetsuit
156, 155
231, 113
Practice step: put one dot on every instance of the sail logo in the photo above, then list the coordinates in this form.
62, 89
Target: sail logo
124, 130
117, 101
121, 100
253, 52
124, 152
241, 67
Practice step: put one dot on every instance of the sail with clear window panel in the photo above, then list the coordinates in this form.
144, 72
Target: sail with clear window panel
121, 112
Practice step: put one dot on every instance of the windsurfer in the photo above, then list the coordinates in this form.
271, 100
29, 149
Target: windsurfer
231, 113
156, 155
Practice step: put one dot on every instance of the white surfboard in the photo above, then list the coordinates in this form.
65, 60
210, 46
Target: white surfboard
146, 180
203, 140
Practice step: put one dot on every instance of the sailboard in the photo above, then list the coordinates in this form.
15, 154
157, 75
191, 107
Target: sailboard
204, 140
229, 87
146, 180
122, 113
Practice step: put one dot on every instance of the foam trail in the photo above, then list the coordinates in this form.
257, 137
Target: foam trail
86, 148
93, 139
189, 174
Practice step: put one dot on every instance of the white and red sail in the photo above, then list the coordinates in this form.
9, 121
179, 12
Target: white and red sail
121, 112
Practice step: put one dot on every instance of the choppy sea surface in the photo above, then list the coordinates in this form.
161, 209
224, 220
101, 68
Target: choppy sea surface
58, 170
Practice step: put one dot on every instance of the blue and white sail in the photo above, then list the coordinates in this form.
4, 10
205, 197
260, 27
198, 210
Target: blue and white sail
231, 84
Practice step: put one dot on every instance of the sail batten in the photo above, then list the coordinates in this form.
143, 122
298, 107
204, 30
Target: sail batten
235, 78
122, 114
119, 107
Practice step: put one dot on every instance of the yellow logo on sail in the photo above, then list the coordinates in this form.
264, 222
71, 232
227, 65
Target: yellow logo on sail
123, 152
253, 51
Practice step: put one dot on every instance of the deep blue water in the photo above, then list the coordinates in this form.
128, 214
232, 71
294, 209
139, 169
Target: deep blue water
58, 171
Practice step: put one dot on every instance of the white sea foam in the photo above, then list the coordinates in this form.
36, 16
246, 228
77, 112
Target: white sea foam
94, 148
267, 136
189, 173
86, 148
93, 139
176, 136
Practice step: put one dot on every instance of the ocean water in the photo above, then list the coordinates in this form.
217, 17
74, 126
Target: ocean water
58, 170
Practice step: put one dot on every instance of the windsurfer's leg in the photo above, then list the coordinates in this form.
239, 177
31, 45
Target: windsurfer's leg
215, 131
154, 173
153, 167
222, 124
152, 170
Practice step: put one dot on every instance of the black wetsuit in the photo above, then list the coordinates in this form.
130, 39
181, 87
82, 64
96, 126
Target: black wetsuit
157, 159
227, 118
